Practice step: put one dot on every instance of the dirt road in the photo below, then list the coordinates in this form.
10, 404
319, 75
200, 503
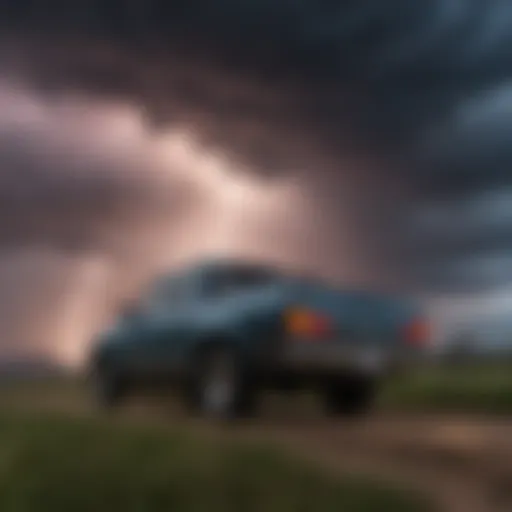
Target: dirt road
464, 462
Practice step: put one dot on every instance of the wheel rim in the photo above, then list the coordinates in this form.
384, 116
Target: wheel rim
218, 384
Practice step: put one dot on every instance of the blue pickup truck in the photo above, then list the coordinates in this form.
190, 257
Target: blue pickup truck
223, 331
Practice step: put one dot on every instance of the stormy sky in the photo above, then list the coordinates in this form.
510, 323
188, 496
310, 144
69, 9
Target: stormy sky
368, 141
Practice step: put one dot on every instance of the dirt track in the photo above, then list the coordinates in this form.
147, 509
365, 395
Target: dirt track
464, 462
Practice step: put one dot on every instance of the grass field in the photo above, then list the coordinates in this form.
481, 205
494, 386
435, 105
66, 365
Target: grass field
50, 463
469, 387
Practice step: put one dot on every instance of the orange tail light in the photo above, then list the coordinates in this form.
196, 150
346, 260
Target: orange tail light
304, 323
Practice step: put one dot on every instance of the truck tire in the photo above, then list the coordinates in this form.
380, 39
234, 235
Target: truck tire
219, 385
350, 395
109, 389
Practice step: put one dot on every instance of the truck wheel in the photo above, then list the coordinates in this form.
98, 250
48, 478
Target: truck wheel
349, 395
108, 388
220, 386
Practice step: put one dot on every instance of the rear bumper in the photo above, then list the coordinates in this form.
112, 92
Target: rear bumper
333, 357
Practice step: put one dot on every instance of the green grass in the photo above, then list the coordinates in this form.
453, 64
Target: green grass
472, 387
478, 388
49, 463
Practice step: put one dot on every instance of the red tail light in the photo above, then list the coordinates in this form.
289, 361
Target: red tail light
304, 323
417, 333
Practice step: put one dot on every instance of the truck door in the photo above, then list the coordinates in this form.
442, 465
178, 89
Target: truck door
165, 328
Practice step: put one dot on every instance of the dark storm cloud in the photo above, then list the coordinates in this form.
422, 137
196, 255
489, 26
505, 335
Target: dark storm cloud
74, 172
85, 203
421, 86
408, 59
70, 201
